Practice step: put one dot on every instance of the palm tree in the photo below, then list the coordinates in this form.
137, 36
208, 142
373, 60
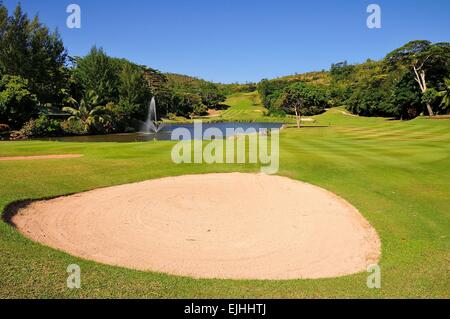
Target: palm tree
87, 111
445, 94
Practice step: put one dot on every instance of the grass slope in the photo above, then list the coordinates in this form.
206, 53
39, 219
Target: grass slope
395, 172
244, 107
241, 107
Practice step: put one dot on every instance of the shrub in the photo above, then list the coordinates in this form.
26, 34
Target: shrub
73, 127
43, 126
275, 112
27, 129
47, 127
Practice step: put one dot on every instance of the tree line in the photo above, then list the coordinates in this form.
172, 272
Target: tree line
411, 80
44, 91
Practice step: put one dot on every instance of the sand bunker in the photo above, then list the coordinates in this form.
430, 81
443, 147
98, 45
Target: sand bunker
230, 226
39, 157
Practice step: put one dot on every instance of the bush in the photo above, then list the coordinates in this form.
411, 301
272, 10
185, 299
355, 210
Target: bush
73, 127
43, 126
47, 127
275, 112
27, 129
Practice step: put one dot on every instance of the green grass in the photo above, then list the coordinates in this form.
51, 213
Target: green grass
396, 173
248, 107
244, 106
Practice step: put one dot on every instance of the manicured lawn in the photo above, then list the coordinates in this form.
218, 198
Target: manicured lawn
244, 106
396, 173
247, 107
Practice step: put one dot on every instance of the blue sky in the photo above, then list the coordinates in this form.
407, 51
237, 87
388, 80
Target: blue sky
242, 40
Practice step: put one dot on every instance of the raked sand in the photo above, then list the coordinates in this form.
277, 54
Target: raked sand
230, 226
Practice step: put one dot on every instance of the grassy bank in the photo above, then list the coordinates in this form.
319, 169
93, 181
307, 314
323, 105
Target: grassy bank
395, 173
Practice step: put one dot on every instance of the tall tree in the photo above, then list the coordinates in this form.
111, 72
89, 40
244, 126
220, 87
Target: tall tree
133, 86
3, 27
99, 73
421, 56
17, 103
211, 95
302, 99
445, 95
405, 100
134, 93
29, 50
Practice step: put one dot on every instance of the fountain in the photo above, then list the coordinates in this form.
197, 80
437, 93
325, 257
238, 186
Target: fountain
152, 125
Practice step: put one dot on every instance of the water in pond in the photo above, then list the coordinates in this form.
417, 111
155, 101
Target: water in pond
165, 133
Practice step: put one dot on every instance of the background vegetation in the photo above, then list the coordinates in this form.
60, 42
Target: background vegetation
45, 92
410, 81
40, 84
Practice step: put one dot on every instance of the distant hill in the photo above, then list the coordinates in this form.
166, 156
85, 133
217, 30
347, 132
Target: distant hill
192, 84
319, 78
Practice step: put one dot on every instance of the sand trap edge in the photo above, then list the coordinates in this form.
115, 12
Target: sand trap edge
13, 208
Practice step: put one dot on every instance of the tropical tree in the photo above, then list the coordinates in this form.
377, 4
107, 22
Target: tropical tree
17, 103
271, 91
134, 94
132, 87
430, 96
99, 73
192, 105
302, 99
29, 50
421, 56
445, 95
3, 22
405, 101
211, 96
88, 112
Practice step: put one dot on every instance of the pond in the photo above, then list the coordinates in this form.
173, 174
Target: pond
165, 134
